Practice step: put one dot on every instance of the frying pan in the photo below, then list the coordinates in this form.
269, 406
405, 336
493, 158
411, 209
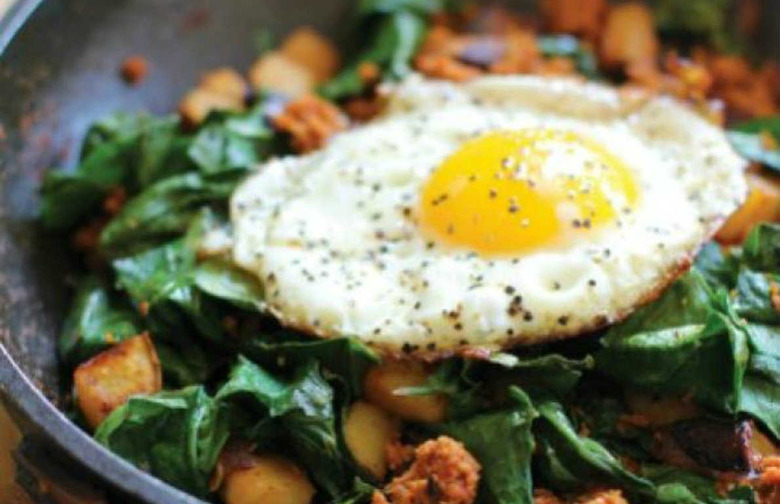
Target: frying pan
58, 73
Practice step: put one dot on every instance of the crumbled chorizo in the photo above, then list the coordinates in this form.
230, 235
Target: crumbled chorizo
442, 472
399, 455
115, 200
370, 73
362, 109
767, 484
310, 121
134, 69
542, 496
86, 237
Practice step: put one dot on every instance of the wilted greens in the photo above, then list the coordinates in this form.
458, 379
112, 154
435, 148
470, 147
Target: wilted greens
551, 416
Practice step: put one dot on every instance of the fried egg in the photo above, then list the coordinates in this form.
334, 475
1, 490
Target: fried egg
501, 211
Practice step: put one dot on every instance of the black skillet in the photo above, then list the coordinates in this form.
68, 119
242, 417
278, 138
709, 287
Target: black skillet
58, 73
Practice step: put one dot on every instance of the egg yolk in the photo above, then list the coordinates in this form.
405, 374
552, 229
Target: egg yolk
510, 192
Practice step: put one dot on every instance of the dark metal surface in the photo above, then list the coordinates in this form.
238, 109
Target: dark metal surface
58, 73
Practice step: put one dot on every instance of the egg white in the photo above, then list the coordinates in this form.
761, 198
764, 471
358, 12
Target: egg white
329, 236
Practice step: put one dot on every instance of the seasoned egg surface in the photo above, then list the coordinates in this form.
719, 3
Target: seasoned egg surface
505, 210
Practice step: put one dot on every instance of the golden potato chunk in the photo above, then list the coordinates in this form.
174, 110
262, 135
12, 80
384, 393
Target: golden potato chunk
762, 205
276, 72
225, 82
261, 479
308, 48
367, 431
107, 380
220, 89
382, 382
628, 36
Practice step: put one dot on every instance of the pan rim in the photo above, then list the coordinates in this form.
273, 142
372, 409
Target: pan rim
28, 400
43, 417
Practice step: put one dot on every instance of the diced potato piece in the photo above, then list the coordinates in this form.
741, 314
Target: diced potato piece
367, 431
661, 411
628, 36
221, 89
276, 72
762, 204
261, 479
580, 17
315, 52
199, 103
225, 82
107, 380
383, 380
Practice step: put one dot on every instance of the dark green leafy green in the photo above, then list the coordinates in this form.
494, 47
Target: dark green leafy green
306, 418
96, 321
422, 7
752, 298
758, 140
502, 442
392, 46
229, 142
703, 20
122, 150
550, 373
361, 493
761, 250
753, 147
221, 279
346, 358
675, 486
570, 462
184, 365
163, 211
162, 281
706, 359
177, 436
697, 339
